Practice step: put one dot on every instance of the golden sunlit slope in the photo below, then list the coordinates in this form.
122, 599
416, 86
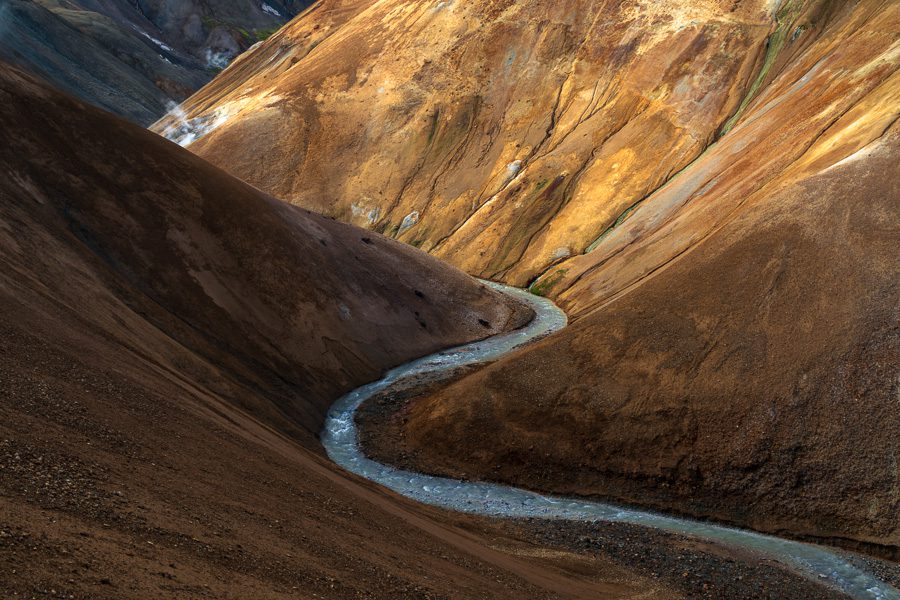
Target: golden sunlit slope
501, 136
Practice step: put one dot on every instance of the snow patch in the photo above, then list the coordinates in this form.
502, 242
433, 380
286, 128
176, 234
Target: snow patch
270, 9
157, 42
371, 214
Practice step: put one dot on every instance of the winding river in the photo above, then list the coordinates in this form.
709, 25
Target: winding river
341, 442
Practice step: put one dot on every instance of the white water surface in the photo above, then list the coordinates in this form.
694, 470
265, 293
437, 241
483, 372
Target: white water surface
341, 441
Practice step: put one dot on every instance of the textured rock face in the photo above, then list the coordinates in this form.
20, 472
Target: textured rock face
735, 342
501, 136
827, 90
134, 58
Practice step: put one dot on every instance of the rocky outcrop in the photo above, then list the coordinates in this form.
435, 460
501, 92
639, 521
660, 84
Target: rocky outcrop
134, 59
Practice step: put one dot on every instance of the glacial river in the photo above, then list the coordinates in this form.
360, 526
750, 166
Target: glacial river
341, 441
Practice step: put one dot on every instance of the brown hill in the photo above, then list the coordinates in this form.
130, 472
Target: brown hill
162, 325
118, 229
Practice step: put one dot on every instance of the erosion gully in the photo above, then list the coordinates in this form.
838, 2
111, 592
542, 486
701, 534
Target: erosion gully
341, 441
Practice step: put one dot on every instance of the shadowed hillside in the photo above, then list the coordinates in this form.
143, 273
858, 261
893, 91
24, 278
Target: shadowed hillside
123, 229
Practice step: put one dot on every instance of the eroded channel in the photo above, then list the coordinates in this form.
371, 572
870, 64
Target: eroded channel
341, 441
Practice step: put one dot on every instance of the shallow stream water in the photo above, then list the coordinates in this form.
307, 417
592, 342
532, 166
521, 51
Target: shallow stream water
341, 442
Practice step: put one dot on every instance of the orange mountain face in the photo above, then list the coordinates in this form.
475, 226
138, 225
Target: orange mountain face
509, 138
501, 136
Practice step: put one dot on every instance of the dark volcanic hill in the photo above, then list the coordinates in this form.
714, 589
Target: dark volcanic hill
134, 58
113, 231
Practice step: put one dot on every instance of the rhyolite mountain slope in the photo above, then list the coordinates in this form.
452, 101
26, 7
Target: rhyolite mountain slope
134, 58
507, 137
735, 341
501, 136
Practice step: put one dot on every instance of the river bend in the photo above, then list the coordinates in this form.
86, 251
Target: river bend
341, 441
